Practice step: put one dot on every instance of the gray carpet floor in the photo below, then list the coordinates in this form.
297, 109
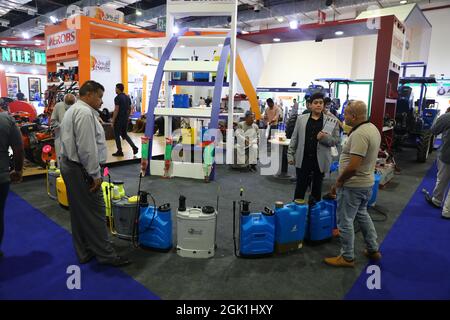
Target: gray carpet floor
299, 275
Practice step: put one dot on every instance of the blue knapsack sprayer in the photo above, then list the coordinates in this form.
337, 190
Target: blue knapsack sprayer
153, 225
290, 225
256, 230
321, 220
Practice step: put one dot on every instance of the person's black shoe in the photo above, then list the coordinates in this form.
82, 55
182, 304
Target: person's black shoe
119, 261
118, 154
87, 259
135, 150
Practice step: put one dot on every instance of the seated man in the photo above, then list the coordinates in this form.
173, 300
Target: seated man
247, 134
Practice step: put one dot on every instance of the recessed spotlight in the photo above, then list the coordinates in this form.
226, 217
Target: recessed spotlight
25, 35
403, 2
293, 24
339, 33
244, 32
110, 41
276, 39
280, 19
138, 13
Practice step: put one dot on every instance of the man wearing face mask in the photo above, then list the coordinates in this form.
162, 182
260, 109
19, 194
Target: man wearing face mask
83, 149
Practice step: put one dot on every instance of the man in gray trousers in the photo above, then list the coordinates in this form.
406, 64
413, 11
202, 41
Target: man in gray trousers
83, 149
442, 125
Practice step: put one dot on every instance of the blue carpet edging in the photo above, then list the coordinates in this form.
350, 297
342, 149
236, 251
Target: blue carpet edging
37, 254
416, 255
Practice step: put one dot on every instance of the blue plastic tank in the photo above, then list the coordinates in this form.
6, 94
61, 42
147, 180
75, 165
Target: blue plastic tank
375, 188
290, 222
320, 222
180, 101
155, 230
257, 233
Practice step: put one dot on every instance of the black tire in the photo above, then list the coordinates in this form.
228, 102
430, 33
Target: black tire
37, 156
423, 146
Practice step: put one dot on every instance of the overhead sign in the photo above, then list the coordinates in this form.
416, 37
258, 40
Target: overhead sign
104, 13
61, 39
22, 56
161, 25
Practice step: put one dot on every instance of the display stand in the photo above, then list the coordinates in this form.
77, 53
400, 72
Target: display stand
192, 38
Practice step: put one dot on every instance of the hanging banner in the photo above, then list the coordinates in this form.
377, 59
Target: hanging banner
100, 64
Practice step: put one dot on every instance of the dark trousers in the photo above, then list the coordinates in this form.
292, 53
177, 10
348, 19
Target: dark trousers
4, 189
307, 174
87, 215
120, 130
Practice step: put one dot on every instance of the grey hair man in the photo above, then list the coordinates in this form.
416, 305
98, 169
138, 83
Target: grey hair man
56, 119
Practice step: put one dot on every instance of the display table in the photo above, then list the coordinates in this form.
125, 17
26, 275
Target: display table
283, 170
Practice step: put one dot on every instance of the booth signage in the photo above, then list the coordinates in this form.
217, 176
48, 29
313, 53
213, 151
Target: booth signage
22, 56
104, 13
199, 1
61, 39
100, 63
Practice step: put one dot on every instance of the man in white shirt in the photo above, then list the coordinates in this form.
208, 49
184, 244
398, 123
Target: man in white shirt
247, 142
83, 149
56, 119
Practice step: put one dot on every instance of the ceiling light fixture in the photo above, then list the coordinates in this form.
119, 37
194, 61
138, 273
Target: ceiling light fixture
244, 32
25, 35
176, 29
182, 46
403, 2
220, 45
53, 19
4, 41
276, 39
109, 41
138, 12
280, 19
293, 24
339, 33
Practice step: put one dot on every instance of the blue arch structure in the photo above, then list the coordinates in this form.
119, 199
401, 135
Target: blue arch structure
218, 85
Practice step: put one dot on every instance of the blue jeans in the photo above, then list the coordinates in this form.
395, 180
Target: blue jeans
4, 188
351, 205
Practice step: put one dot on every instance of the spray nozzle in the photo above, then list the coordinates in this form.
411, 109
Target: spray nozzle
268, 212
245, 207
182, 203
241, 191
143, 200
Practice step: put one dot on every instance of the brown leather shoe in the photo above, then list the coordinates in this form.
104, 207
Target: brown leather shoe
374, 256
339, 261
